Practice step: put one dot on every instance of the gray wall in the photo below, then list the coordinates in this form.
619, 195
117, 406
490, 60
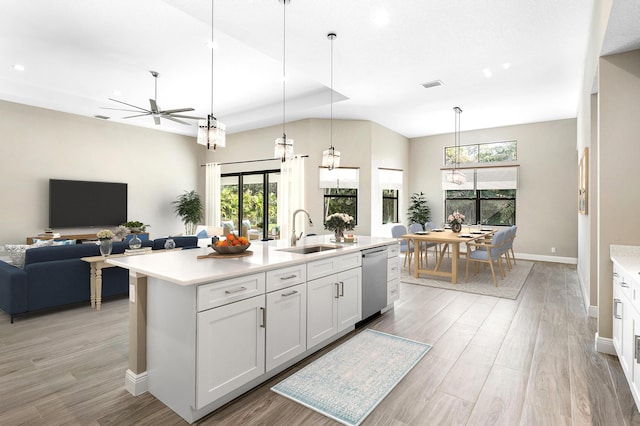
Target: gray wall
39, 144
546, 205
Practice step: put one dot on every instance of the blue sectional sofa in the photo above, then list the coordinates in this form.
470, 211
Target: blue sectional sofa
55, 276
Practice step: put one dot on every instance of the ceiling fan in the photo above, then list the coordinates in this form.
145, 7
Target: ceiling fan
155, 111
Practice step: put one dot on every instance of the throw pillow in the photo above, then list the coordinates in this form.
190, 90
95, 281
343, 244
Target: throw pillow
64, 243
17, 251
203, 234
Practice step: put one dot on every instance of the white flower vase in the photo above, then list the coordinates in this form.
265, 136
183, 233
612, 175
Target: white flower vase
105, 247
135, 242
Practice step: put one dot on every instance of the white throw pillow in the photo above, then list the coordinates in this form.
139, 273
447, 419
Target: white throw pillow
17, 251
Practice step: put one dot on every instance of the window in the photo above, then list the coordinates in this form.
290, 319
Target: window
482, 153
488, 207
389, 206
340, 190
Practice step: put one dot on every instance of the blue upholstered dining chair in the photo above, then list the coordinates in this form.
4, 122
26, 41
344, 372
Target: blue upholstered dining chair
487, 252
507, 247
398, 231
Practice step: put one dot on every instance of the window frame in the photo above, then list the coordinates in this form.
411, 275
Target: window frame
326, 198
396, 197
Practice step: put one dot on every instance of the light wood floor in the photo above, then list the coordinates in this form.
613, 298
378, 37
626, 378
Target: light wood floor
494, 361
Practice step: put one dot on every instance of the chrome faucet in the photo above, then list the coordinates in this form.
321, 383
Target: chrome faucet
295, 238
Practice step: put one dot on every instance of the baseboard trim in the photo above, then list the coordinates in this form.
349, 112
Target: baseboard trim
136, 384
593, 311
605, 345
541, 258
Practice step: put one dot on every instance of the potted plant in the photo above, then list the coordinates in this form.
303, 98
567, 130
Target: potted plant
189, 208
419, 211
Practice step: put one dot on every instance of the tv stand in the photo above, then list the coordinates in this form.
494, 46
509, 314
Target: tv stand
80, 237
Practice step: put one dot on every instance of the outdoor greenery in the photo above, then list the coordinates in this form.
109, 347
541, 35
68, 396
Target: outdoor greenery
252, 204
483, 153
389, 205
419, 211
495, 207
341, 200
188, 207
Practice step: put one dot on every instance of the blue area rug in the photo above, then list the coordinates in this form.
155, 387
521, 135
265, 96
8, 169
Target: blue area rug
347, 383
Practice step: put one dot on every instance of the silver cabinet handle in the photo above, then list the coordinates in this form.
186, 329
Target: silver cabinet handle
237, 290
637, 342
342, 288
623, 284
337, 290
291, 293
264, 317
288, 277
615, 309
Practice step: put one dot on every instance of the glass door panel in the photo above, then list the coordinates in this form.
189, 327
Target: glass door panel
229, 203
273, 229
253, 206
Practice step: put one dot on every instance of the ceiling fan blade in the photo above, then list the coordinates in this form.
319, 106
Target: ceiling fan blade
154, 106
168, 117
171, 111
186, 116
124, 103
120, 109
138, 115
156, 119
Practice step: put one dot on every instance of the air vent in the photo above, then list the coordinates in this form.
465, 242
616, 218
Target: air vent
103, 117
433, 83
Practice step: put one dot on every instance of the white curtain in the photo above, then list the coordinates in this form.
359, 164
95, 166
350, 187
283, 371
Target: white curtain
291, 196
212, 197
497, 178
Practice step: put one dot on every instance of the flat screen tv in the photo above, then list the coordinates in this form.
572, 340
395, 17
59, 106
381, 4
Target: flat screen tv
74, 203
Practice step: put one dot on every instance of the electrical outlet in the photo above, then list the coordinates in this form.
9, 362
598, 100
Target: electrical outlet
553, 249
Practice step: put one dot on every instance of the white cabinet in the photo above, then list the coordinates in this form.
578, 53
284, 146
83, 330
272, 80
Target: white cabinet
230, 348
334, 301
286, 324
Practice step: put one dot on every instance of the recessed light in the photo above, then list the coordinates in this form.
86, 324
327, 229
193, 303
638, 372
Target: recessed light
18, 67
117, 93
506, 65
381, 18
487, 72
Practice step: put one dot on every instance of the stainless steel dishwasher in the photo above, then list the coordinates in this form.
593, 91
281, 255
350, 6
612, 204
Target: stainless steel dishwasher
374, 280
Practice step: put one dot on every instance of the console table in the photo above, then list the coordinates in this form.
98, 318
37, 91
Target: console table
79, 237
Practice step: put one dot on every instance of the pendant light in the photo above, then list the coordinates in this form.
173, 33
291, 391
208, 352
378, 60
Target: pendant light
331, 157
456, 176
211, 132
284, 146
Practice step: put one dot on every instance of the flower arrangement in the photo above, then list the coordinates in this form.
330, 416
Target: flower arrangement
455, 217
339, 222
104, 234
121, 232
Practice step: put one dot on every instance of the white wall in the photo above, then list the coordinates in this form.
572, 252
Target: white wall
546, 205
39, 144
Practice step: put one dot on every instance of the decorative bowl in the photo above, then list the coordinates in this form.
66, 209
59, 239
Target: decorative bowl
230, 249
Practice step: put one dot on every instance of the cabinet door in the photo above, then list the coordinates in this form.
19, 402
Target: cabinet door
230, 348
634, 366
350, 300
286, 324
322, 316
617, 318
627, 340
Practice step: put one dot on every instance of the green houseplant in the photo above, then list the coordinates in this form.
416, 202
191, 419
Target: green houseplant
419, 211
189, 208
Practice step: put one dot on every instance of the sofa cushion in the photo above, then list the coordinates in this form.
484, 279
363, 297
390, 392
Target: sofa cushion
48, 254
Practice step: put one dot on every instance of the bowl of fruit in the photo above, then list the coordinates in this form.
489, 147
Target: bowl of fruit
231, 245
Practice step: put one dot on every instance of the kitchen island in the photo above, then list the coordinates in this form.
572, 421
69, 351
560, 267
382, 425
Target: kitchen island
204, 331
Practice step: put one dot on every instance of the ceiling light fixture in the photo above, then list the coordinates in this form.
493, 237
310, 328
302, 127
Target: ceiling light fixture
331, 157
487, 72
434, 83
211, 132
18, 67
284, 146
456, 176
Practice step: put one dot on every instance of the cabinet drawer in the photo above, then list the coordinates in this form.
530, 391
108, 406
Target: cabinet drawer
394, 251
393, 269
322, 268
621, 279
227, 291
349, 261
286, 277
393, 291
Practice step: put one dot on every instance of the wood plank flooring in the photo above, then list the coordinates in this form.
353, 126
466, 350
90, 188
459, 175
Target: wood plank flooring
529, 361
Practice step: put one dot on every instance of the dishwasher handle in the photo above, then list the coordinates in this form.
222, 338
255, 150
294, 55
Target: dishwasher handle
374, 252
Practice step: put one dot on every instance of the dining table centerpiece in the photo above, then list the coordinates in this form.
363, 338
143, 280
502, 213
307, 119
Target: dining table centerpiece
338, 223
105, 237
455, 220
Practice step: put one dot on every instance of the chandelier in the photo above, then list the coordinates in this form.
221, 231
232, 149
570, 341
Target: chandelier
456, 176
331, 157
211, 132
284, 146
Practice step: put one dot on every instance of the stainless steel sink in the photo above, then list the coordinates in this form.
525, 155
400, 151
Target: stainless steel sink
310, 249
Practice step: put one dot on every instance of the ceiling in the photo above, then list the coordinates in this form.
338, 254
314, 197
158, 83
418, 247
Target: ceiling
77, 54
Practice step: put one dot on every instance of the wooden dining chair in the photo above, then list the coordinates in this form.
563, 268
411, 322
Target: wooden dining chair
483, 251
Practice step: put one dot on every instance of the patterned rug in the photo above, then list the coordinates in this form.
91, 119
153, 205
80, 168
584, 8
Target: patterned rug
482, 283
347, 383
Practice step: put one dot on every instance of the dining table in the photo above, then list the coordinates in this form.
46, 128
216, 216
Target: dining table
443, 238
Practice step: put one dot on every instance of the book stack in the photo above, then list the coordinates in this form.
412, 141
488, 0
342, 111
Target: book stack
141, 250
49, 235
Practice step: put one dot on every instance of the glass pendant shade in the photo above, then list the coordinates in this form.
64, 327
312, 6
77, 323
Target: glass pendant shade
284, 148
331, 158
457, 177
211, 133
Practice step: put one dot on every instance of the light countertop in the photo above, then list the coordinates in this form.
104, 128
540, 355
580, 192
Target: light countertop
184, 268
628, 258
